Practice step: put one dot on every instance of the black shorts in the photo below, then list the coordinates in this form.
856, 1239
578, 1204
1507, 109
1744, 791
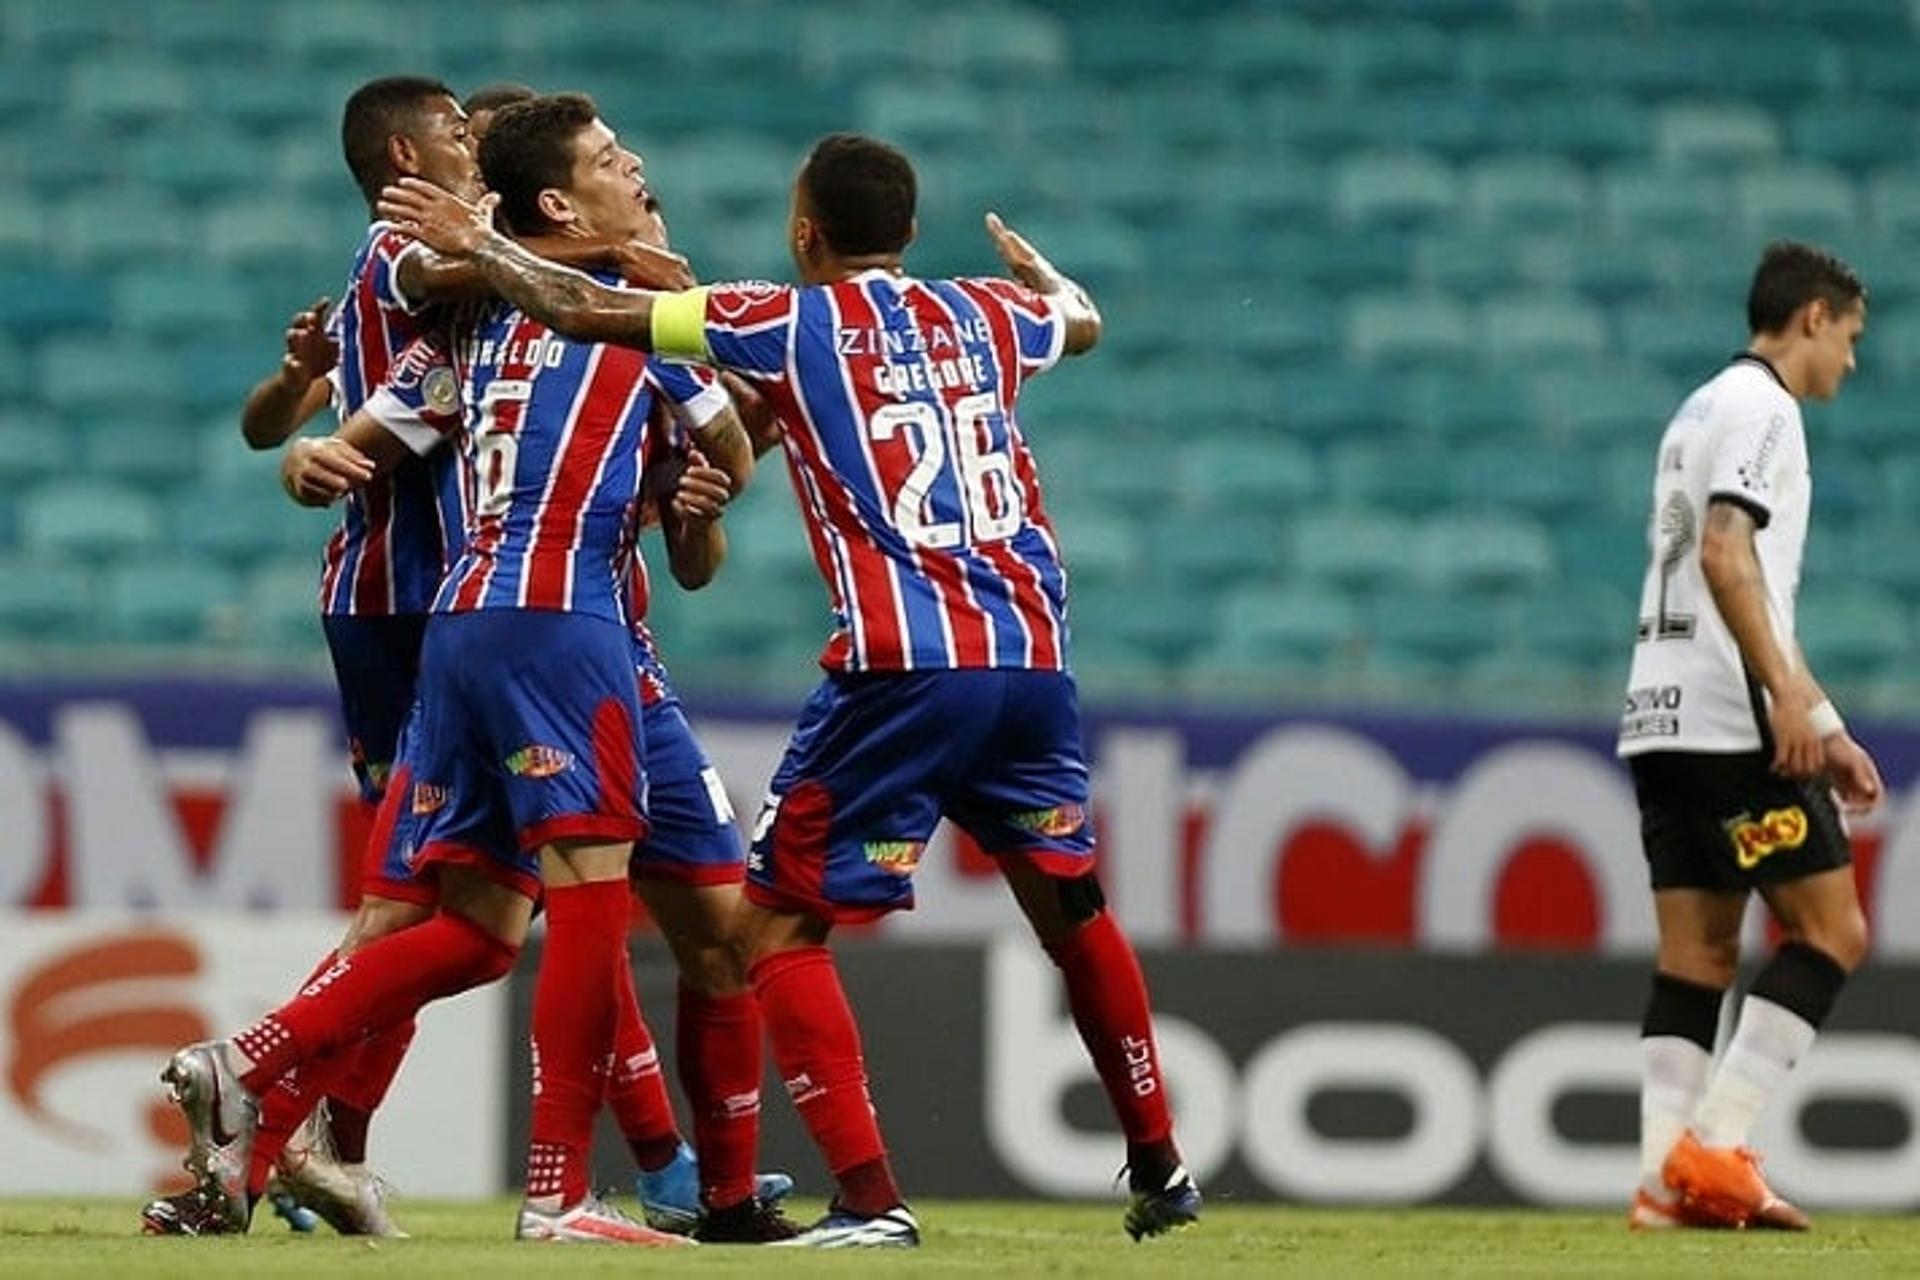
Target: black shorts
1727, 822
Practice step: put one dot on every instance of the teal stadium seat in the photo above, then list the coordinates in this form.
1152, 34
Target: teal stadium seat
1467, 407
82, 374
204, 164
96, 232
1466, 551
1143, 626
1687, 340
1548, 483
128, 93
1592, 129
766, 525
1318, 125
1606, 551
1411, 478
1216, 550
1604, 270
54, 31
1504, 679
293, 97
1774, 64
1389, 189
1408, 328
41, 300
88, 518
343, 33
1128, 46
1340, 264
1723, 135
1259, 49
1000, 44
1894, 348
43, 599
1340, 403
1101, 550
1415, 631
1875, 550
281, 600
1252, 473
71, 159
138, 451
1853, 134
23, 230
32, 448
1356, 549
1854, 631
1445, 122
1581, 623
924, 118
1510, 62
1535, 331
1885, 71
244, 519
209, 32
1527, 193
168, 599
1893, 196
1876, 418
1189, 117
166, 302
277, 233
1609, 403
1385, 57
1806, 201
1468, 263
1270, 329
1644, 68
1266, 623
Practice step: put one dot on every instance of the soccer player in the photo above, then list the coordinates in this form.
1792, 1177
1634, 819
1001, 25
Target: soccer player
947, 690
528, 724
482, 103
1737, 756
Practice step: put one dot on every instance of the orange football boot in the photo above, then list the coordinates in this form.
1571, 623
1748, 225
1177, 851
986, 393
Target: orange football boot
1725, 1184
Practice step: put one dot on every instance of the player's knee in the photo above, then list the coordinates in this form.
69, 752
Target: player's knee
379, 917
1845, 939
1707, 962
719, 969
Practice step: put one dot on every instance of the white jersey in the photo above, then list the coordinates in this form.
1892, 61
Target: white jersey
1738, 438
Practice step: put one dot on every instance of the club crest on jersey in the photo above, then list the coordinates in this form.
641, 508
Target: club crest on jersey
733, 302
538, 761
1061, 820
440, 389
898, 856
1780, 829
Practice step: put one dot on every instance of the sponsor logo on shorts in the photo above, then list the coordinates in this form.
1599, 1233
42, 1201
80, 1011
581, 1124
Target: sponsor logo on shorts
1780, 829
1061, 820
897, 856
428, 798
537, 761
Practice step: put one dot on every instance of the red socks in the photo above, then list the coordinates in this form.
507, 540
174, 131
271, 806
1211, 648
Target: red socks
1108, 998
817, 1045
719, 1061
575, 1010
636, 1087
355, 1097
380, 985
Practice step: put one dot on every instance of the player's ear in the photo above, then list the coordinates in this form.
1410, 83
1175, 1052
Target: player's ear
402, 155
555, 207
913, 230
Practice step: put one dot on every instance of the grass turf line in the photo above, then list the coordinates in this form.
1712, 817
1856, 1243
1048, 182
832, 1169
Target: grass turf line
61, 1238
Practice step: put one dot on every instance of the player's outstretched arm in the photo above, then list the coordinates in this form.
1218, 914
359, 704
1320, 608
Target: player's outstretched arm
1731, 566
283, 401
559, 297
1031, 268
434, 277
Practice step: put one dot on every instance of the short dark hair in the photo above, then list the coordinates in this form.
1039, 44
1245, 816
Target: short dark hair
862, 192
529, 148
375, 112
1790, 275
495, 96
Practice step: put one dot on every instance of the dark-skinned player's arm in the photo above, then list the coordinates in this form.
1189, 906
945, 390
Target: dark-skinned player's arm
381, 434
1080, 318
755, 410
281, 403
691, 495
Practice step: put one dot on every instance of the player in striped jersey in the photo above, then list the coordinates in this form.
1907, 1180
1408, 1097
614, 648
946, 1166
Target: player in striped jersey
947, 690
398, 533
528, 723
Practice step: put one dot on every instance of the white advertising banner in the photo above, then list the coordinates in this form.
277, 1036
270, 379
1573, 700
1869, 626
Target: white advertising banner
91, 1005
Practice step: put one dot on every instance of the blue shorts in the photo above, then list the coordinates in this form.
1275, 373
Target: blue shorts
691, 836
376, 661
878, 759
528, 731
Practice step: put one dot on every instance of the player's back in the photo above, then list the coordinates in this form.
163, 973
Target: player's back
1738, 438
553, 440
922, 499
397, 534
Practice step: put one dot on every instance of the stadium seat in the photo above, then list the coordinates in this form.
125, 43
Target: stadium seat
1142, 626
1540, 331
1269, 330
1894, 198
23, 229
46, 599
245, 519
1853, 134
1646, 203
923, 118
1475, 552
96, 232
1260, 49
1354, 549
1644, 68
1510, 62
1393, 189
1548, 483
88, 518
999, 44
282, 603
1715, 136
1604, 270
1468, 407
1885, 72
1605, 550
1285, 190
291, 98
1400, 477
205, 164
40, 300
171, 301
1580, 623
1271, 623
210, 32
1774, 64
1422, 627
1468, 264
1265, 473
1587, 128
168, 599
127, 93
1189, 118
32, 449
346, 33
1408, 328
1527, 193
91, 373
1130, 46
1101, 549
1340, 264
1852, 631
138, 451
1805, 201
1604, 403
1688, 341
1540, 682
1340, 403
1218, 551
1383, 57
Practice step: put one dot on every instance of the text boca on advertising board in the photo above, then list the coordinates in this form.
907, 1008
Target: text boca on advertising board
94, 1003
1214, 829
1344, 1077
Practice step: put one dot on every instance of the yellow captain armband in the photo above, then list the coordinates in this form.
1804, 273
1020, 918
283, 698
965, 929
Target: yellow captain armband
680, 324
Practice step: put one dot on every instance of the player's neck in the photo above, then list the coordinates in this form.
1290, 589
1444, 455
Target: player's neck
833, 270
1781, 356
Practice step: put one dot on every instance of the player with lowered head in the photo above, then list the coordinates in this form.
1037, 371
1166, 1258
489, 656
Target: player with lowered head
947, 690
1737, 755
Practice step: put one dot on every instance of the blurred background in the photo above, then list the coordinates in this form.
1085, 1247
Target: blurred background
1399, 296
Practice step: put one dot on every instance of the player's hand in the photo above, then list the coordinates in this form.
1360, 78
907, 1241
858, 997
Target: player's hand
1027, 264
1797, 751
438, 218
1855, 777
317, 471
701, 494
652, 268
310, 353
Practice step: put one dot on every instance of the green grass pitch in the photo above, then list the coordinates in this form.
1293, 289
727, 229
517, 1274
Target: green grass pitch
99, 1238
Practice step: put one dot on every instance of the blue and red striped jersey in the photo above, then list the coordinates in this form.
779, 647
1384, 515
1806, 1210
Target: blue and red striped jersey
398, 534
921, 498
555, 432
